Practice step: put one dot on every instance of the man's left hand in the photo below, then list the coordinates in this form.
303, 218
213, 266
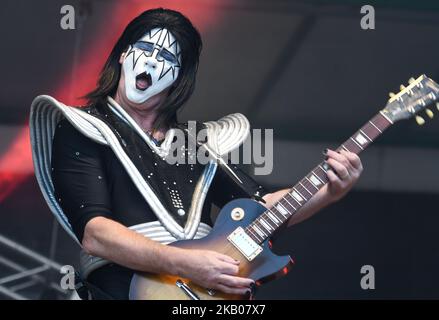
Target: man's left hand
345, 170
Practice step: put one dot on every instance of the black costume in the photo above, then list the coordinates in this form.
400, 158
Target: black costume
90, 179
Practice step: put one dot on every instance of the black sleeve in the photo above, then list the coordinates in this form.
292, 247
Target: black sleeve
225, 187
79, 177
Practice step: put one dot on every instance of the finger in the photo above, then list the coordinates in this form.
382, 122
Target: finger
339, 168
226, 258
334, 179
339, 157
232, 281
228, 268
353, 159
231, 290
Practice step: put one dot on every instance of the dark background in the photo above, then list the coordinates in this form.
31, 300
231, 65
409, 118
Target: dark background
303, 68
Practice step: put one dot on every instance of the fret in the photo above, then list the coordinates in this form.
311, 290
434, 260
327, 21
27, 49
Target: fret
260, 232
386, 117
252, 234
375, 127
316, 176
312, 183
306, 189
364, 134
353, 146
299, 195
381, 121
371, 132
270, 211
265, 224
292, 197
285, 198
282, 209
273, 217
268, 220
346, 149
358, 145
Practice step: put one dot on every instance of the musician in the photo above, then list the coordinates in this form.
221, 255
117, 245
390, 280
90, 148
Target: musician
121, 198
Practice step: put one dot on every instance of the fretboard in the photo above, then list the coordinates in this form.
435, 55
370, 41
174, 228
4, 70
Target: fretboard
272, 219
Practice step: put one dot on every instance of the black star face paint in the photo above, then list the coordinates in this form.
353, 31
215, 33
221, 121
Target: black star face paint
151, 65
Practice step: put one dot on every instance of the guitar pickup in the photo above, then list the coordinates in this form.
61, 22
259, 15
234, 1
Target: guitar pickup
246, 245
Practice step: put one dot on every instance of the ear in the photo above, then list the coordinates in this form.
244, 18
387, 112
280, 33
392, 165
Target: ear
122, 57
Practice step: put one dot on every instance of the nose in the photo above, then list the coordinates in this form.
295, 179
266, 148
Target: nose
151, 62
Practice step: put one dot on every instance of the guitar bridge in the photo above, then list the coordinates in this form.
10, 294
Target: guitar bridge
246, 245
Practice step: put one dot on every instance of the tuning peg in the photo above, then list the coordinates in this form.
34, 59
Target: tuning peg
429, 113
391, 94
420, 120
401, 87
411, 80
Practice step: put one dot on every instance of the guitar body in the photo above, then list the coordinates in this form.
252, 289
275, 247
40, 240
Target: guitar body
264, 267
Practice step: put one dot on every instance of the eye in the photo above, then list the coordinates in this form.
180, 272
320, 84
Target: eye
165, 54
145, 46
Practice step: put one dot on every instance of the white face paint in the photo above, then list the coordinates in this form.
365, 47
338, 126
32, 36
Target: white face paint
151, 65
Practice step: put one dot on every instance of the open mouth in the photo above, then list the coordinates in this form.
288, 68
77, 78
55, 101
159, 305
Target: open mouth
143, 81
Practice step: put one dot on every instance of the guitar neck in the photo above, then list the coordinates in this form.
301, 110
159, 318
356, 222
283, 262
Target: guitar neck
272, 219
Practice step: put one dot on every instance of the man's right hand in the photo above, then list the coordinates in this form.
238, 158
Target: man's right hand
212, 270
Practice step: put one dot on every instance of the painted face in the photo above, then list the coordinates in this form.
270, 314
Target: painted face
151, 65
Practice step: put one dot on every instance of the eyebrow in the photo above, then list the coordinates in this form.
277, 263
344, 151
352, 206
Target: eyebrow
167, 51
144, 43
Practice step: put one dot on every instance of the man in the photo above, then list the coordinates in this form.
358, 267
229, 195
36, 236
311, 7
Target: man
113, 189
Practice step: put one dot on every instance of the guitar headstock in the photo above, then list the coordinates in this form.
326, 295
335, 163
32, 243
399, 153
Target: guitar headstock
411, 100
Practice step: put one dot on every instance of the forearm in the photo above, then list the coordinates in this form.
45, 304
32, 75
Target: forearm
112, 241
316, 203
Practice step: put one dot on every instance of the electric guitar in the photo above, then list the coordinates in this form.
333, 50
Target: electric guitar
244, 226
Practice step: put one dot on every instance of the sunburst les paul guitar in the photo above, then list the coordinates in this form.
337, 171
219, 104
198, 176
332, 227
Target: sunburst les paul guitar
244, 226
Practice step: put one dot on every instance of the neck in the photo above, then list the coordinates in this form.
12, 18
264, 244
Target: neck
143, 114
271, 220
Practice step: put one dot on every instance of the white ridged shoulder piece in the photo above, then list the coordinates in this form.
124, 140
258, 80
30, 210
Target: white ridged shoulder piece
227, 133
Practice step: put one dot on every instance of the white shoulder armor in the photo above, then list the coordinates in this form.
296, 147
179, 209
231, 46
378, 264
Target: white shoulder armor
227, 134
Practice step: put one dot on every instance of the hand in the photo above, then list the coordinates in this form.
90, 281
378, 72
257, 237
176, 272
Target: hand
213, 270
345, 170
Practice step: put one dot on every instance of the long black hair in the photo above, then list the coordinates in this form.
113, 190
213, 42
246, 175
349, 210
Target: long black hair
190, 43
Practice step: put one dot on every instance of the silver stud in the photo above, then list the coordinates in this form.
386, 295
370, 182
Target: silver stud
190, 181
77, 153
175, 183
140, 156
99, 177
181, 212
164, 182
155, 163
81, 206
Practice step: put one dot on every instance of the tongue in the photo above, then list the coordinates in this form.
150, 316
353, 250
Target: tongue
142, 84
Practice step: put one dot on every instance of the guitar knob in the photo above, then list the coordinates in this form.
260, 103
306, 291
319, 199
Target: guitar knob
391, 94
411, 80
401, 87
429, 113
420, 120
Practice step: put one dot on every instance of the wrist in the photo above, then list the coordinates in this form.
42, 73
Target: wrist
174, 260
